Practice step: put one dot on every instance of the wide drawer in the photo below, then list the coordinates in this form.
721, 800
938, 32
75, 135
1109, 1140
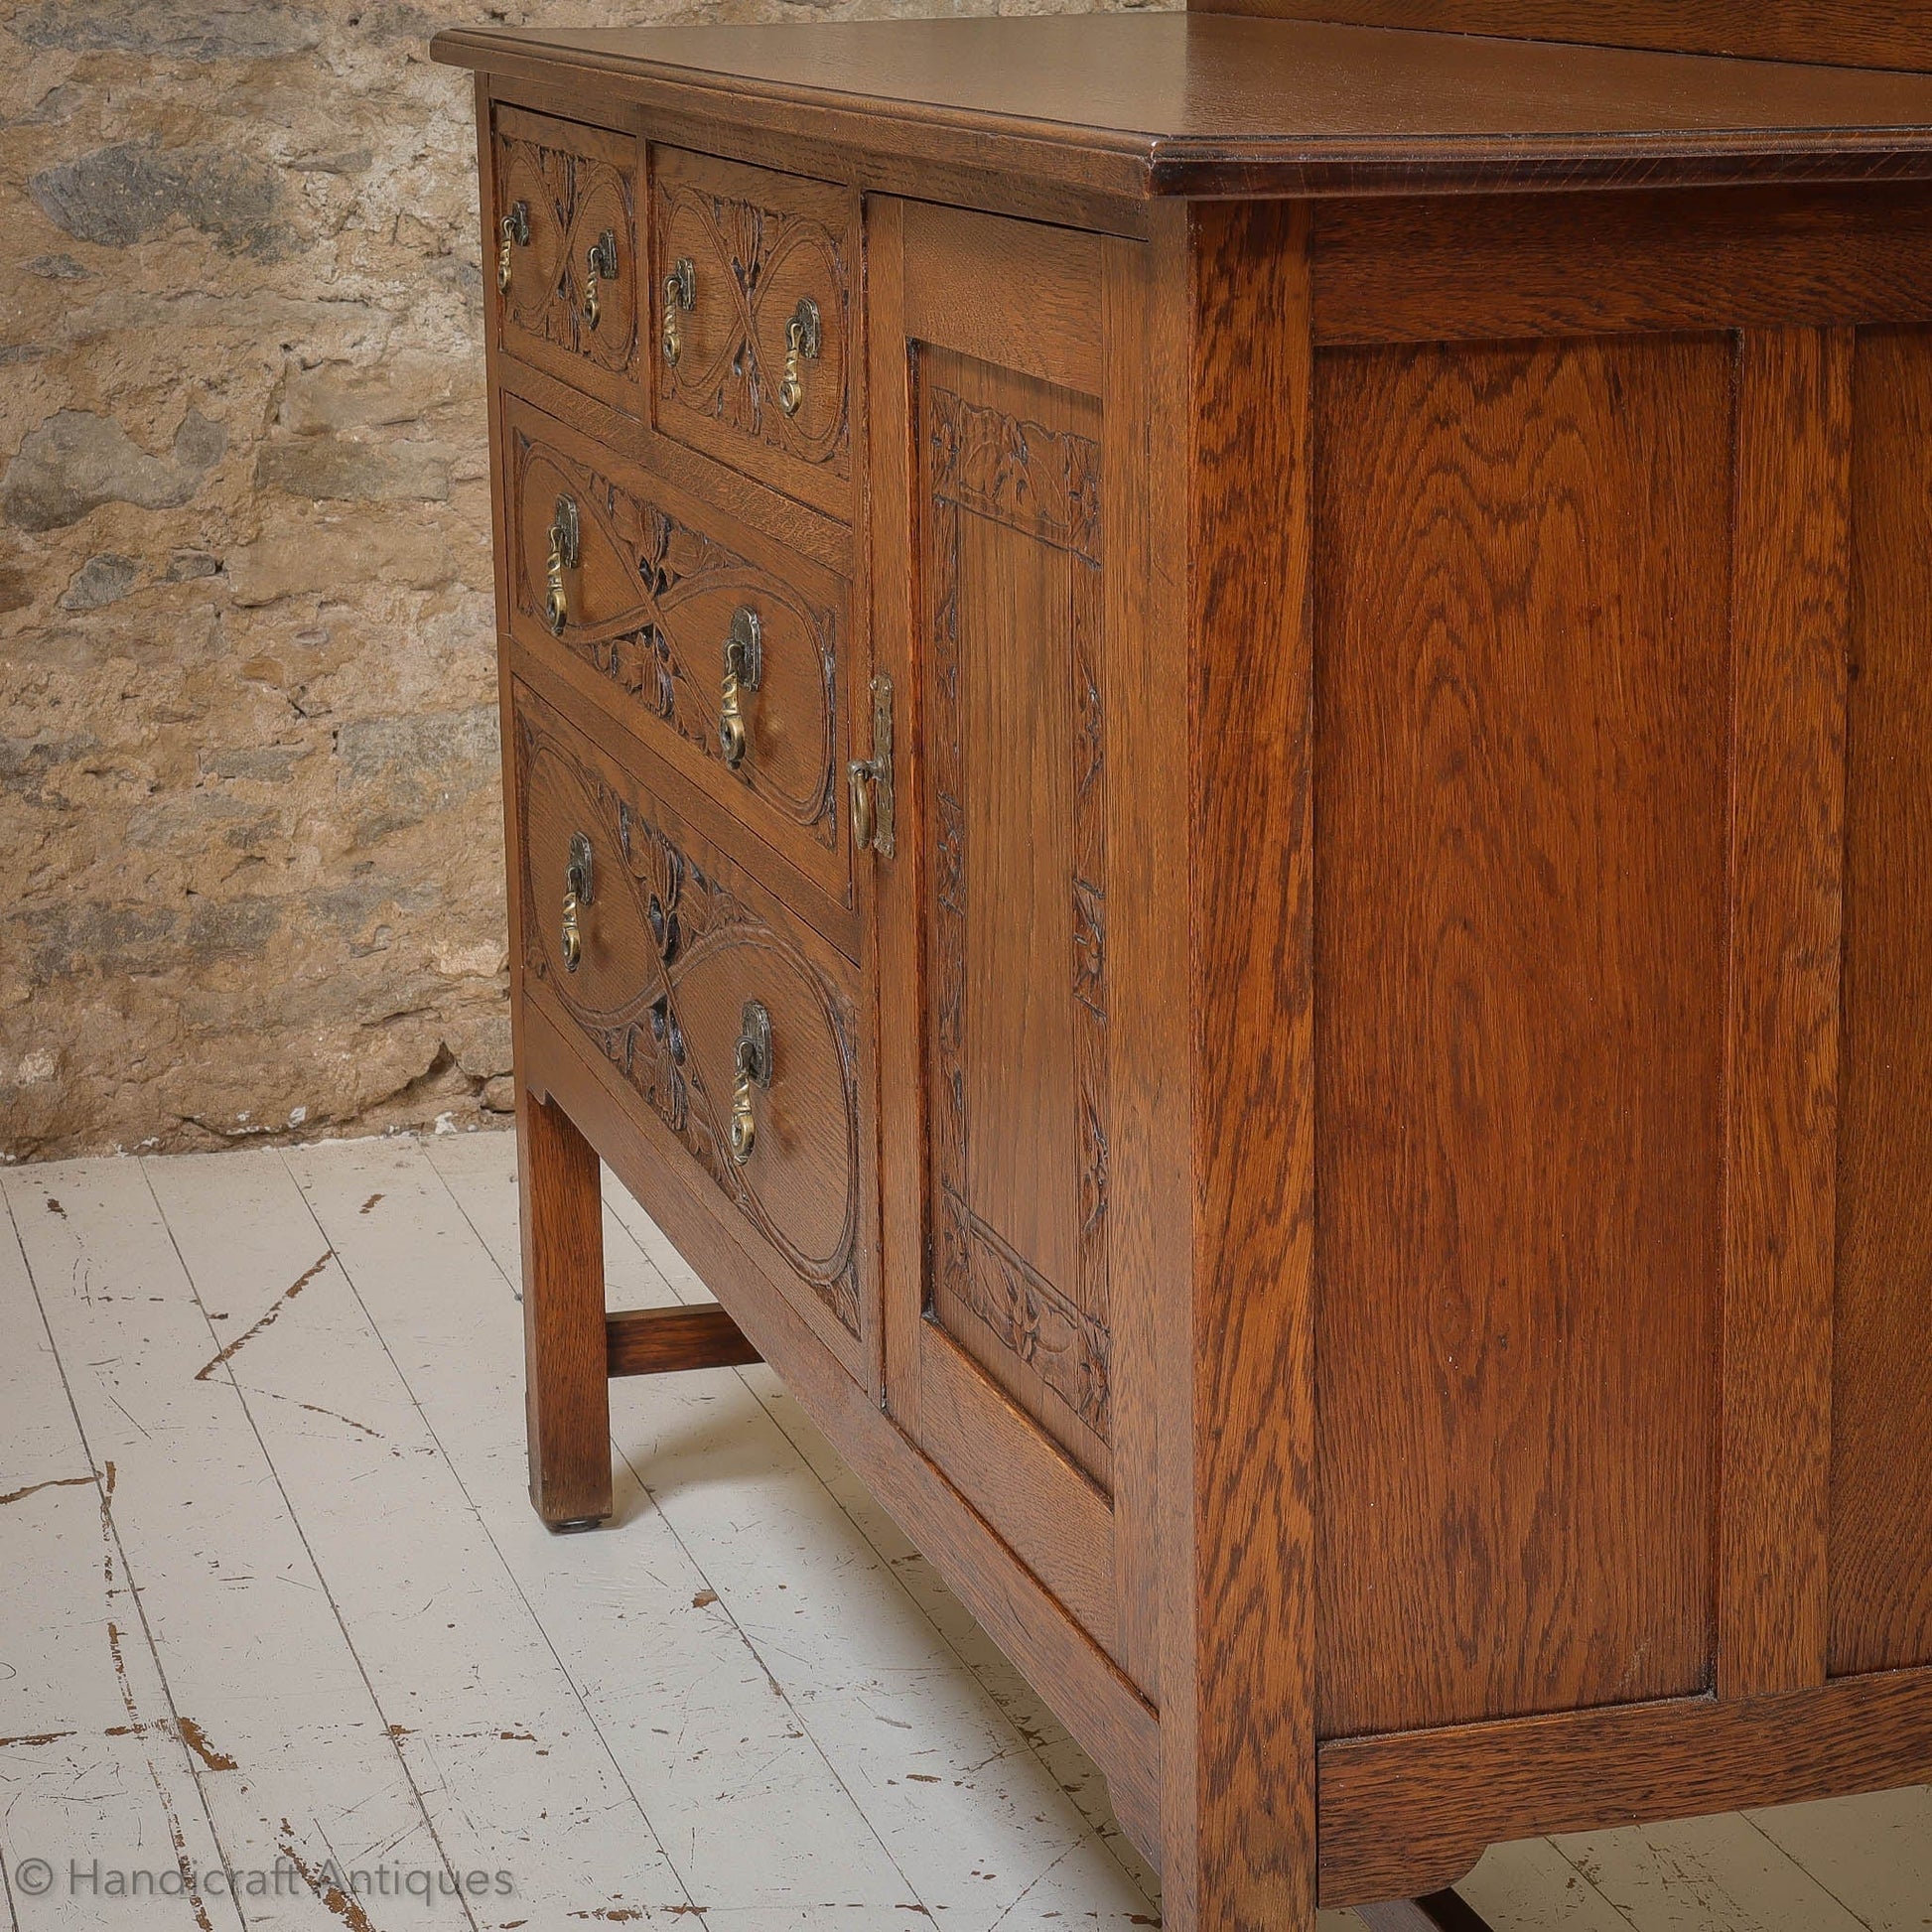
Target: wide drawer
734, 1031
752, 309
562, 251
716, 644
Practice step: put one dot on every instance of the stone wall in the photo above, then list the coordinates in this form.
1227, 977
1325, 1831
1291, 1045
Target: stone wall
249, 821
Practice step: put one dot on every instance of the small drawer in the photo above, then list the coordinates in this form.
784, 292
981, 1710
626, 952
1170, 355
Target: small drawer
561, 251
735, 1031
751, 311
717, 645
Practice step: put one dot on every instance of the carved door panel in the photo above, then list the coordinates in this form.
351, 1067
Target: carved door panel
1005, 468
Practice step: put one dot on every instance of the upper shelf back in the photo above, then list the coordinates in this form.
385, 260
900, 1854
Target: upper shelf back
1834, 33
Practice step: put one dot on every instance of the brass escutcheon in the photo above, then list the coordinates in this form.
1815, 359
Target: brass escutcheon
752, 1062
600, 264
680, 296
516, 227
871, 779
802, 338
577, 894
744, 668
563, 557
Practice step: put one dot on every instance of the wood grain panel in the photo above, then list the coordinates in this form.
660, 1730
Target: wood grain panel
1882, 1474
1521, 602
1494, 267
1841, 33
1409, 1813
1790, 628
1239, 1481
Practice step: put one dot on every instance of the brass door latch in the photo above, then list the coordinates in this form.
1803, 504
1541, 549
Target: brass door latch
563, 556
515, 230
680, 297
600, 264
744, 668
752, 1062
577, 894
871, 779
802, 340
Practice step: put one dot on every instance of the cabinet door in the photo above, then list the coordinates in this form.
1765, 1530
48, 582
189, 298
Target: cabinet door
1009, 471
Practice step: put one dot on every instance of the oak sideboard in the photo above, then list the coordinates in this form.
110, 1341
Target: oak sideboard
1217, 736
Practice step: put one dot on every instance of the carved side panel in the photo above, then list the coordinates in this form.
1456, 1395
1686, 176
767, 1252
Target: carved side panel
1016, 771
670, 956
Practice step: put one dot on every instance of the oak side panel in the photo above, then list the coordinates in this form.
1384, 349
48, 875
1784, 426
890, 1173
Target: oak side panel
1881, 1473
1521, 599
1238, 1497
1410, 1813
1840, 33
1789, 634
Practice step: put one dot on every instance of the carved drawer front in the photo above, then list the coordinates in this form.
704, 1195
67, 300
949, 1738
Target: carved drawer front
734, 1033
752, 309
561, 252
717, 645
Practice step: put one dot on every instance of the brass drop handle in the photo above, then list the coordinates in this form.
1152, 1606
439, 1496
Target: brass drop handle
515, 230
802, 340
871, 779
563, 544
600, 264
744, 668
680, 296
753, 1063
577, 894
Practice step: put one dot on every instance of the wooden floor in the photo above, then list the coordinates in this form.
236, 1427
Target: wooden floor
271, 1599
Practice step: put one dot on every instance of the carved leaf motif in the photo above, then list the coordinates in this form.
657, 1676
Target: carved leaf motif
1042, 481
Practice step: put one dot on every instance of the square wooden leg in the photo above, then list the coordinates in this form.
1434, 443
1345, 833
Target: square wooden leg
566, 1358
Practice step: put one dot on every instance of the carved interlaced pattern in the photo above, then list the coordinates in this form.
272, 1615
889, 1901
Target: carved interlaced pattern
697, 927
1044, 484
572, 199
660, 651
735, 387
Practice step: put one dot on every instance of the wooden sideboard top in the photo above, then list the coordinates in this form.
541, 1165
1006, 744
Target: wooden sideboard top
1146, 105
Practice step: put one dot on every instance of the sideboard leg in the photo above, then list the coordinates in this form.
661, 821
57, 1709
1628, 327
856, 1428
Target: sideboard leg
566, 1364
1238, 1719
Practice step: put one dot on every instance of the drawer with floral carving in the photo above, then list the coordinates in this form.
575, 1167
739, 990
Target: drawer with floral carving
714, 642
564, 251
734, 1031
754, 309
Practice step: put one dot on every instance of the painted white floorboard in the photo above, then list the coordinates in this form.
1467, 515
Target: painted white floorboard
1872, 1854
510, 1768
751, 1703
288, 1748
94, 1777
